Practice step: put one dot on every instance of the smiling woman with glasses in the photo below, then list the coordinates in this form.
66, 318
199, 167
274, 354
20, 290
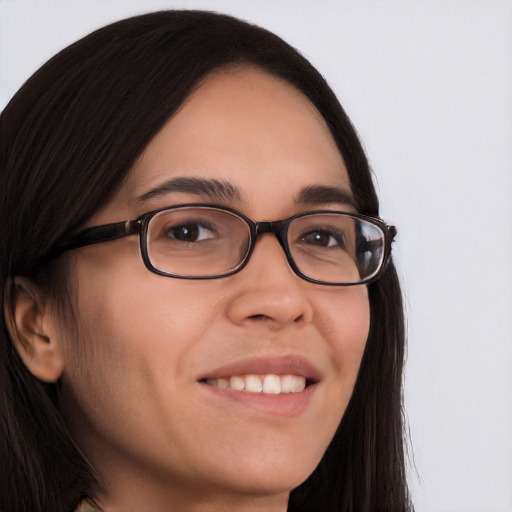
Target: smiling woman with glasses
200, 307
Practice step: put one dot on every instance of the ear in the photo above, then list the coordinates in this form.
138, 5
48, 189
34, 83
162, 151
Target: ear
31, 327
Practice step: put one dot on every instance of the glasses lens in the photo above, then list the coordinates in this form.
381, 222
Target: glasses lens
197, 241
336, 248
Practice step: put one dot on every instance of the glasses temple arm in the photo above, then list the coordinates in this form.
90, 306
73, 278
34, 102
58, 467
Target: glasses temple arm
99, 234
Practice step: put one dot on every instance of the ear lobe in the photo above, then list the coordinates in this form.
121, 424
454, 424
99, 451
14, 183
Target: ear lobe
31, 327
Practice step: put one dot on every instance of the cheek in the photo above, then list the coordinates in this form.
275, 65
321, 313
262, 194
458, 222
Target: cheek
151, 322
134, 328
122, 302
345, 321
136, 344
346, 324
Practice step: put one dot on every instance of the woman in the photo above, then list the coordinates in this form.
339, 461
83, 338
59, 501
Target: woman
161, 350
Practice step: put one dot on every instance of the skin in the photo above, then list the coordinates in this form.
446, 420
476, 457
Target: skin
130, 382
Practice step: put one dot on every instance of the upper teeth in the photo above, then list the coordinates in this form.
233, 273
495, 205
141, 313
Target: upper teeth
271, 384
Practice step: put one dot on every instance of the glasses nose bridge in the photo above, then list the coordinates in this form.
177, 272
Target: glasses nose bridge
278, 228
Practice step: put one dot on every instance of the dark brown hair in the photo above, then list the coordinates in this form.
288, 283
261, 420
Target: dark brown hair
68, 139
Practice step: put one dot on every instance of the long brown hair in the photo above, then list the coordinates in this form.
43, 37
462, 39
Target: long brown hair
68, 139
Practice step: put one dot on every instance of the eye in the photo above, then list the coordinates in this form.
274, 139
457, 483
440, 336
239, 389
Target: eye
324, 238
193, 231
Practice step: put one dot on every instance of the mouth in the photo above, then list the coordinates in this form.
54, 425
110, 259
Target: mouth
281, 386
271, 383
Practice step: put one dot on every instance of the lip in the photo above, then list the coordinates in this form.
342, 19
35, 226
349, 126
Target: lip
281, 365
285, 405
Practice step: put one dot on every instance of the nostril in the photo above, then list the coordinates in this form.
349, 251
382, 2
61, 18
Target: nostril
258, 317
262, 317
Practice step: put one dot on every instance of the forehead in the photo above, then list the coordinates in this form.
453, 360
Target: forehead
248, 128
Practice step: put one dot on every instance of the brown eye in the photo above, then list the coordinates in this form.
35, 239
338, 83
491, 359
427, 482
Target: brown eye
189, 232
323, 238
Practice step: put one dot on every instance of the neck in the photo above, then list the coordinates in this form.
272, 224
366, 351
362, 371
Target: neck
131, 497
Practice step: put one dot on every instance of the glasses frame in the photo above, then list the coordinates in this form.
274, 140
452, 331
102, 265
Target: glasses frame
139, 226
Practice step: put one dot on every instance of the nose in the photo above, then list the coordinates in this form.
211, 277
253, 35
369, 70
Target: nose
268, 291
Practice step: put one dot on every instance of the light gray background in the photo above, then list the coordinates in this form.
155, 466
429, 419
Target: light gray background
428, 84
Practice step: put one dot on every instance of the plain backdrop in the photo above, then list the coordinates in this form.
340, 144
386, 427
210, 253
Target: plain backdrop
428, 85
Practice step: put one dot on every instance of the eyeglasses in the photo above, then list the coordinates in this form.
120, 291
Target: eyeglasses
201, 241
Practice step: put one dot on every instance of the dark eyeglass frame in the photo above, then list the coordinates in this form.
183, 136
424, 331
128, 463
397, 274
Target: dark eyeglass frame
139, 226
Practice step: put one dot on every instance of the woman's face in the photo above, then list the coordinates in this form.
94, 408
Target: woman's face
134, 384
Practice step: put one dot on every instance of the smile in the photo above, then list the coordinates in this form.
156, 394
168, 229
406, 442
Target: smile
271, 384
277, 386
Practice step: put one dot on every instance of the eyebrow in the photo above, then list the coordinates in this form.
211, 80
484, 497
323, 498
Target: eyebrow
220, 190
211, 188
321, 194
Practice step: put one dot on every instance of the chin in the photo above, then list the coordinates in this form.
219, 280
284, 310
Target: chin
265, 475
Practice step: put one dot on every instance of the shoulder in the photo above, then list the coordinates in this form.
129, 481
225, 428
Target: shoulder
87, 505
